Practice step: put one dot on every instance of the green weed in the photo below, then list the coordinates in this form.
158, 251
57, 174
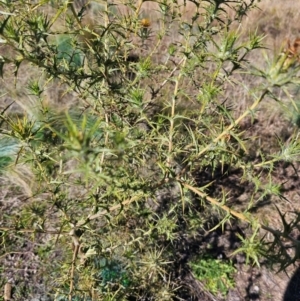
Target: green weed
216, 275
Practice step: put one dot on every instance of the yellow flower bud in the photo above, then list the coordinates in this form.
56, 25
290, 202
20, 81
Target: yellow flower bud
145, 22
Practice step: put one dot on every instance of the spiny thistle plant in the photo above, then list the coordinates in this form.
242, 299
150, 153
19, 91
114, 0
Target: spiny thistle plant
122, 182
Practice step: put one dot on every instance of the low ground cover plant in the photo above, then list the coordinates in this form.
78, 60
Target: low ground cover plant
117, 188
217, 276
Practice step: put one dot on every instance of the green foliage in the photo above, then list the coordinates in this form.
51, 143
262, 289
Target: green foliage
215, 274
118, 184
8, 150
111, 272
68, 55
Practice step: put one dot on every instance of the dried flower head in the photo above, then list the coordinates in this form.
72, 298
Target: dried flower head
293, 49
145, 22
291, 53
